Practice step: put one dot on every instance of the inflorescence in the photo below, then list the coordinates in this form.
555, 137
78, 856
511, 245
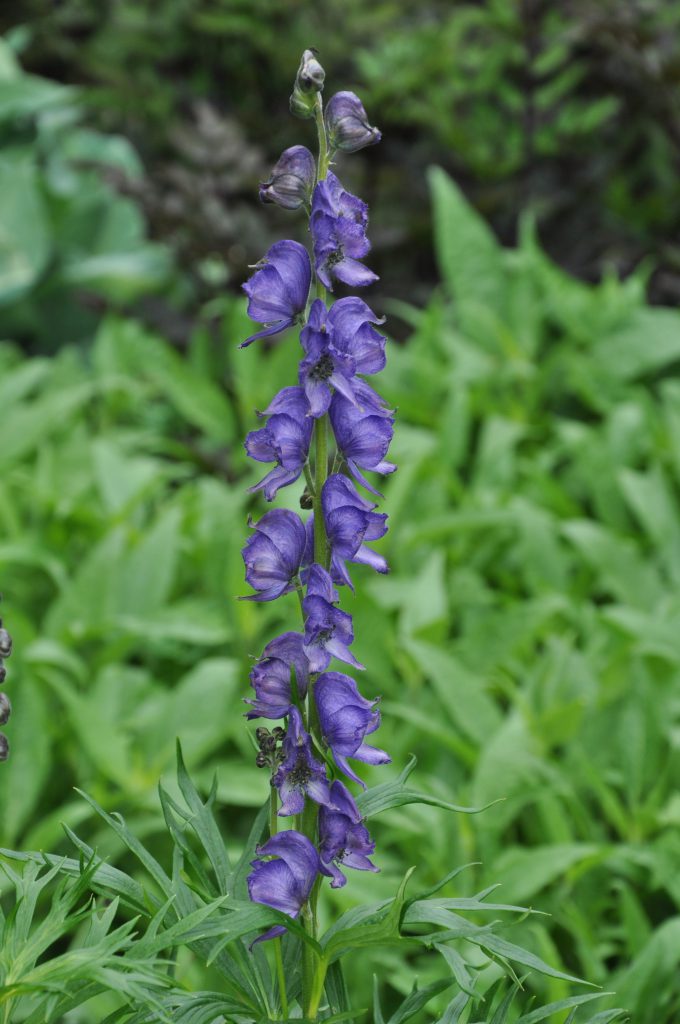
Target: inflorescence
327, 720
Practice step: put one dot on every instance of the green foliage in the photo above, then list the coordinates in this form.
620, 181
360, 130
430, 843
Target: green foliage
63, 231
524, 644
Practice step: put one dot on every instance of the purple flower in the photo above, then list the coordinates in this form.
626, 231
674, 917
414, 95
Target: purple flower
274, 554
285, 883
338, 226
349, 520
343, 837
277, 291
292, 179
328, 631
363, 436
270, 676
346, 718
284, 440
347, 124
300, 774
338, 344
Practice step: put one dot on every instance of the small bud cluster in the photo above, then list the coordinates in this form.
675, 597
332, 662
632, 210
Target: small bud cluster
5, 706
327, 719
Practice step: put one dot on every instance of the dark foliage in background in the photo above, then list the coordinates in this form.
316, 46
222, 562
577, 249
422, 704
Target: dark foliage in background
570, 110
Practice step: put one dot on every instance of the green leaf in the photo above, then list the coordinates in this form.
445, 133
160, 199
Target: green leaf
24, 230
395, 794
366, 926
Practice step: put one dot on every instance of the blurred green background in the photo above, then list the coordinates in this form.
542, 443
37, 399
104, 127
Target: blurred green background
525, 207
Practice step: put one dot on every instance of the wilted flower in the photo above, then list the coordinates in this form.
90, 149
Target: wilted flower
328, 631
343, 837
277, 291
273, 555
347, 125
338, 226
270, 677
292, 179
349, 520
284, 440
285, 883
300, 774
346, 718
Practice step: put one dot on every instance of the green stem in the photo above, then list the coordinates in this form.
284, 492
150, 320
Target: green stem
278, 957
321, 472
317, 989
324, 155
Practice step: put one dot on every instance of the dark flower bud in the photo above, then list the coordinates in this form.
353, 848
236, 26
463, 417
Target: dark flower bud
306, 500
347, 125
3, 673
308, 82
4, 748
261, 760
5, 644
292, 179
5, 708
261, 734
278, 733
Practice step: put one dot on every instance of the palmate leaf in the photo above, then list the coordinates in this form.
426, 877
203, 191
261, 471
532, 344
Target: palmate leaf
395, 794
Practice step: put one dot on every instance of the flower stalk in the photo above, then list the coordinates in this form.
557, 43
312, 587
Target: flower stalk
326, 718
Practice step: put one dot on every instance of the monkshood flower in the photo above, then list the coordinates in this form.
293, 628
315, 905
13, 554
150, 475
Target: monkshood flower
338, 226
300, 775
349, 521
363, 436
346, 718
284, 440
308, 82
338, 344
285, 883
270, 676
277, 291
347, 125
328, 631
274, 554
343, 837
292, 179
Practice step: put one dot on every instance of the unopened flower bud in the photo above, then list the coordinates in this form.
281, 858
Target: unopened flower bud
3, 673
5, 708
347, 125
4, 748
261, 760
278, 733
292, 179
5, 644
308, 82
261, 734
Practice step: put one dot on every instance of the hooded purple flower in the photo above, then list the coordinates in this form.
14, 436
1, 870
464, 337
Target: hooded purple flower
274, 554
338, 344
349, 520
277, 291
347, 125
346, 718
292, 179
300, 774
284, 440
343, 837
284, 883
363, 437
328, 631
270, 676
338, 226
